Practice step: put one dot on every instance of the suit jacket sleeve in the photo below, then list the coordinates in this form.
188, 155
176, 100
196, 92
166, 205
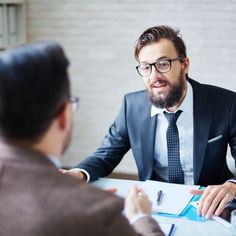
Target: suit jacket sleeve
113, 147
105, 211
118, 224
145, 226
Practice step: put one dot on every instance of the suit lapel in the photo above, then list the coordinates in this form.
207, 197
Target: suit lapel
202, 115
147, 140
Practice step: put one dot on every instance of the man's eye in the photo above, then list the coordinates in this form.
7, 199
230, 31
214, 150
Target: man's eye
145, 67
163, 63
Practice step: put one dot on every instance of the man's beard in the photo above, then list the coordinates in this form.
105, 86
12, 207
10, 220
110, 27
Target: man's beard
173, 96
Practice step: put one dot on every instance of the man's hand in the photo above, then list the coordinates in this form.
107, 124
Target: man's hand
214, 198
111, 190
74, 172
136, 203
82, 176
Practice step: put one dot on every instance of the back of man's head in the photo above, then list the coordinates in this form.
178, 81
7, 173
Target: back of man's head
34, 86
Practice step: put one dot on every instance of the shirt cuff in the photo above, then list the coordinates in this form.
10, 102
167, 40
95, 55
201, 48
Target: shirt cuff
231, 181
137, 217
84, 171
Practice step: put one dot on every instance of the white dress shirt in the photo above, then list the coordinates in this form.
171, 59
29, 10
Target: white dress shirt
185, 129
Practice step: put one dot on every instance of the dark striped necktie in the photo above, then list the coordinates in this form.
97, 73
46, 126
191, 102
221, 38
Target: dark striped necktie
172, 137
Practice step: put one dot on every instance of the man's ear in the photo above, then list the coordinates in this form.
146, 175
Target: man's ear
185, 65
63, 118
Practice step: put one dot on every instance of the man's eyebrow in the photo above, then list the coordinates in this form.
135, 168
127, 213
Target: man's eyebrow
159, 59
162, 58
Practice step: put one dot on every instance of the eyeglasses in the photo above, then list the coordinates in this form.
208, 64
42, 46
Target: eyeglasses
74, 100
161, 66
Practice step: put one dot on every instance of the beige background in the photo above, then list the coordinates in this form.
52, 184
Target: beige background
99, 37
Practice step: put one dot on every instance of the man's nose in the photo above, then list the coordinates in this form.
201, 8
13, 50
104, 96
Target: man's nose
155, 74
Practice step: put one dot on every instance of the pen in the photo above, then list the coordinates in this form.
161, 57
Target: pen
159, 195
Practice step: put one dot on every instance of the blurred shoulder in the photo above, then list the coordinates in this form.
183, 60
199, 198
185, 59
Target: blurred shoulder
85, 195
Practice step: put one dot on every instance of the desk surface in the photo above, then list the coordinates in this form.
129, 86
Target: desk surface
183, 226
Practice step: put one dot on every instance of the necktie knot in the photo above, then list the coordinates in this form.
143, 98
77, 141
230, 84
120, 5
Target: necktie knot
172, 117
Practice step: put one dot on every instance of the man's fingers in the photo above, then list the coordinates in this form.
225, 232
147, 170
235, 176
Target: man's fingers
215, 202
204, 202
218, 204
73, 172
214, 199
133, 191
226, 200
111, 190
196, 191
63, 171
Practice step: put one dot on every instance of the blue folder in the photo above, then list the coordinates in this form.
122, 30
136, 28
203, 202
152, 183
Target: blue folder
189, 212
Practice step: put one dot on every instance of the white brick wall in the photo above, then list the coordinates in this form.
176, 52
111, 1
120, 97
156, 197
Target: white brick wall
99, 37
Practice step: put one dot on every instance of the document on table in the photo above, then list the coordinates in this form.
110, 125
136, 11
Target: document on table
175, 197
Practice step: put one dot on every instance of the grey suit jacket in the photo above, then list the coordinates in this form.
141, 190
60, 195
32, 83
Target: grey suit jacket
37, 200
214, 112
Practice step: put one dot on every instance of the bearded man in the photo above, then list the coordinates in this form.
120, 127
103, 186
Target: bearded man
178, 129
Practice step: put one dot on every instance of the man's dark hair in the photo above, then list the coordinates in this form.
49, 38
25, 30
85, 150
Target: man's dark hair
154, 34
34, 87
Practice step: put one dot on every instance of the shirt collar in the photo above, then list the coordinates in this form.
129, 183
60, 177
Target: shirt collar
55, 161
185, 106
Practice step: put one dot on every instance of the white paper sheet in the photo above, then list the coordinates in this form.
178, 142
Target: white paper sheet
174, 199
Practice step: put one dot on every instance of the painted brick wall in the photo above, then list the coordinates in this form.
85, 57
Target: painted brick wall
99, 37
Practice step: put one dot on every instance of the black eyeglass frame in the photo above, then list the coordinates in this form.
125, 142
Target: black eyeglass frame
74, 100
154, 64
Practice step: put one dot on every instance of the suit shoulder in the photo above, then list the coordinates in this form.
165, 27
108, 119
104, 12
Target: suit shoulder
136, 101
87, 194
213, 91
219, 90
216, 93
138, 95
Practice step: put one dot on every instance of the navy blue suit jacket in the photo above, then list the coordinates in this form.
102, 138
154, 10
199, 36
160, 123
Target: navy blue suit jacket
214, 112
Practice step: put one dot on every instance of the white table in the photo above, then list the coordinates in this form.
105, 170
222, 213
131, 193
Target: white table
183, 226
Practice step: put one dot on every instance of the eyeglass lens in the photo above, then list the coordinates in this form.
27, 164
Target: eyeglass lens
161, 66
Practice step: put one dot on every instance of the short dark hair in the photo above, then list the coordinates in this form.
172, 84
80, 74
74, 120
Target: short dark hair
154, 34
34, 86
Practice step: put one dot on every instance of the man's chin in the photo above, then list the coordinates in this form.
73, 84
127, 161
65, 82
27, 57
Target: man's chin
156, 95
159, 92
157, 101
